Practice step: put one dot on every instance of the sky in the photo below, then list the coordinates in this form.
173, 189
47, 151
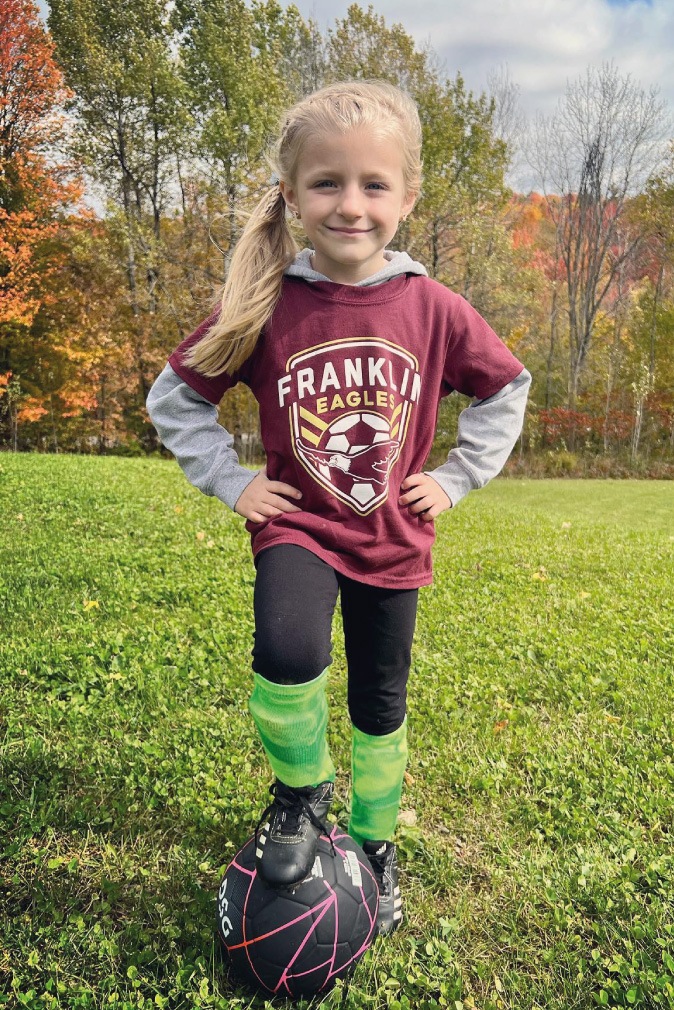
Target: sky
541, 43
536, 44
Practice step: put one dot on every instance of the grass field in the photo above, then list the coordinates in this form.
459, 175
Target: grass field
537, 849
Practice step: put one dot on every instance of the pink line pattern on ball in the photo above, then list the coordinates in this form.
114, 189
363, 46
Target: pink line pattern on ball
329, 902
292, 922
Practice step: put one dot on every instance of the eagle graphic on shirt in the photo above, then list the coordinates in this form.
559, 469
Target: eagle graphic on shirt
349, 407
365, 463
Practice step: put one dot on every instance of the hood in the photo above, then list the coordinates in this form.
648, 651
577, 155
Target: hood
398, 263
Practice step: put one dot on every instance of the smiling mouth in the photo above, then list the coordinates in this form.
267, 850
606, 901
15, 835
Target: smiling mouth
351, 231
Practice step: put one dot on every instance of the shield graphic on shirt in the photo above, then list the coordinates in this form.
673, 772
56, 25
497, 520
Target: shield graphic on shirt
349, 427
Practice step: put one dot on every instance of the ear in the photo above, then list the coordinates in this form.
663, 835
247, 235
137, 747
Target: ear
289, 195
408, 203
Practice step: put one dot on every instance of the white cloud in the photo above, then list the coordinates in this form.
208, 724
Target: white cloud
543, 42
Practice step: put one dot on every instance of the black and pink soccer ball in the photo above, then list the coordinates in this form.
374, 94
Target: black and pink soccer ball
299, 942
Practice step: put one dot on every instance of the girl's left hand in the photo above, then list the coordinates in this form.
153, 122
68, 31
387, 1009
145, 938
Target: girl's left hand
426, 499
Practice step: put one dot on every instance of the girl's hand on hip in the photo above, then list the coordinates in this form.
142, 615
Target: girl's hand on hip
262, 498
426, 499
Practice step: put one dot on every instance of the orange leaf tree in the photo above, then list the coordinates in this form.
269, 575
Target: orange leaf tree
35, 190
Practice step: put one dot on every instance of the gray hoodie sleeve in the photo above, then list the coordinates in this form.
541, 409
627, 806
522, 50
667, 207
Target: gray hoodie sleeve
188, 425
488, 430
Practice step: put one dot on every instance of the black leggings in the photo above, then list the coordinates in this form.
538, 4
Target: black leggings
294, 601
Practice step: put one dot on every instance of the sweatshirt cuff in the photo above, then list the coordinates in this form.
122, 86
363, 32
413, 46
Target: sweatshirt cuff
229, 482
453, 479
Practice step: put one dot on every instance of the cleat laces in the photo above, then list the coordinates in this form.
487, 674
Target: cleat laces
294, 805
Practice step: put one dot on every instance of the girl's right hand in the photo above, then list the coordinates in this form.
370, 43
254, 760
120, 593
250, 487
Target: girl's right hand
262, 498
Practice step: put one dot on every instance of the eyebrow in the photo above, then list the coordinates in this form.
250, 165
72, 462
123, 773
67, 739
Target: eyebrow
376, 173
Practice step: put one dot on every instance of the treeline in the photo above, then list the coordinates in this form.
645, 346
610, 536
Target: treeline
160, 113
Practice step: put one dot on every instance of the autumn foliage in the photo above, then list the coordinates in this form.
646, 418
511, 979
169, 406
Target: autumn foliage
32, 189
170, 124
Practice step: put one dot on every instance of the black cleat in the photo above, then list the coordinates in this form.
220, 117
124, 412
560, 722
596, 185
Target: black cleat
287, 833
382, 856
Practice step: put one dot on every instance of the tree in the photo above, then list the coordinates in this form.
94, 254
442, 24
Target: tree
117, 58
361, 45
32, 190
229, 63
36, 189
509, 122
305, 59
464, 167
599, 148
655, 211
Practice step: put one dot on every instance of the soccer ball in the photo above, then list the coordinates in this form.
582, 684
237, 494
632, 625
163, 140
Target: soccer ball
353, 432
349, 435
299, 941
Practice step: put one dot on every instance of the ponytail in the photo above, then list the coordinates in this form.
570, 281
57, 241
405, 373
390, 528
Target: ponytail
252, 289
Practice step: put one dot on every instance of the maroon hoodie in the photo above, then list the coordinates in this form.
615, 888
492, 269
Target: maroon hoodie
348, 380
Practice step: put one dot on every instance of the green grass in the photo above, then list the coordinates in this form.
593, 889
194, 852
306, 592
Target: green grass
540, 870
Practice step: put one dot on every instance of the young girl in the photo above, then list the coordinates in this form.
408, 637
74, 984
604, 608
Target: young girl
348, 348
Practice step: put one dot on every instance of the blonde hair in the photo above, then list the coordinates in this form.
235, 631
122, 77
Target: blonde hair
266, 246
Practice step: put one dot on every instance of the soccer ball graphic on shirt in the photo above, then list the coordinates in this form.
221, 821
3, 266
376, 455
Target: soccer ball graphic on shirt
359, 447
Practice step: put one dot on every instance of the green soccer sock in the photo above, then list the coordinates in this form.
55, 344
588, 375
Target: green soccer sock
378, 766
292, 720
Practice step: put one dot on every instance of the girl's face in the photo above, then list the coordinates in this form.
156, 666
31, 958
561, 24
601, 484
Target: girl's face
351, 196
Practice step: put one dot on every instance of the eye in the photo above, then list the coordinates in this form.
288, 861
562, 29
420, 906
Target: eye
329, 182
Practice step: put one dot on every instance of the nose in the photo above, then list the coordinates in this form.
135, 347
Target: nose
350, 205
